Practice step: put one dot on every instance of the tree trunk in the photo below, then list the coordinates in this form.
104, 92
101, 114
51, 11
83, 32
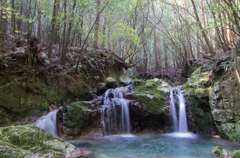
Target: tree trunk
201, 28
4, 25
1, 32
109, 35
13, 18
198, 48
95, 43
155, 41
165, 53
104, 30
53, 29
38, 34
63, 56
19, 21
64, 26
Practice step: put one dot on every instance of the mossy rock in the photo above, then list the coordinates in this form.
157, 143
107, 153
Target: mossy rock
125, 80
101, 87
216, 151
219, 115
231, 131
31, 141
111, 82
236, 154
138, 82
75, 117
151, 96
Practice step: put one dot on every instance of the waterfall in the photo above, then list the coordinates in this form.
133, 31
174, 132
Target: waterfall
116, 112
48, 122
181, 125
173, 111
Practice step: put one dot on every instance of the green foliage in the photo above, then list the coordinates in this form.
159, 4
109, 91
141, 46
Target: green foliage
123, 31
45, 106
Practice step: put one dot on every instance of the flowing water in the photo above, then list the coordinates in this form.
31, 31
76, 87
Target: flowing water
115, 112
180, 144
181, 125
172, 145
48, 122
115, 115
173, 111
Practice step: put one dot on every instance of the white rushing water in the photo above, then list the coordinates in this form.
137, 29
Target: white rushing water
116, 111
173, 111
181, 125
48, 122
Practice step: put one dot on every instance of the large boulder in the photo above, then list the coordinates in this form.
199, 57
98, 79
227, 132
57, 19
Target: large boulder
76, 116
150, 111
29, 141
219, 152
125, 80
101, 88
152, 95
111, 82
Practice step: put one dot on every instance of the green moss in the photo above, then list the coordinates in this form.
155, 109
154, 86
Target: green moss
199, 108
110, 79
197, 90
75, 117
236, 154
149, 95
216, 151
231, 130
30, 141
3, 81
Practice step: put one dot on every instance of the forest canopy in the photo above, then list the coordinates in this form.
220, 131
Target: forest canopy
148, 34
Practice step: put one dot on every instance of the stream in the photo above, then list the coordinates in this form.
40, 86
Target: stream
115, 113
172, 145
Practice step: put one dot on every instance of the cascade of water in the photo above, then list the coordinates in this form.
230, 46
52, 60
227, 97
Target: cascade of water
111, 112
181, 125
125, 116
48, 122
173, 111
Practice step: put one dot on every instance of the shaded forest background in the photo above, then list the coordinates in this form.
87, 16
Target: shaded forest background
147, 35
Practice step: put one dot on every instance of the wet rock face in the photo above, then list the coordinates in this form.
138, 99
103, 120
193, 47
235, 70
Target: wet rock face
200, 118
144, 122
221, 98
74, 118
224, 101
31, 141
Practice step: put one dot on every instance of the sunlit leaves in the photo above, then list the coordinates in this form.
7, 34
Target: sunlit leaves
124, 32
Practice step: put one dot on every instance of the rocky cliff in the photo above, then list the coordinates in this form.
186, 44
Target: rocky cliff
26, 93
213, 95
